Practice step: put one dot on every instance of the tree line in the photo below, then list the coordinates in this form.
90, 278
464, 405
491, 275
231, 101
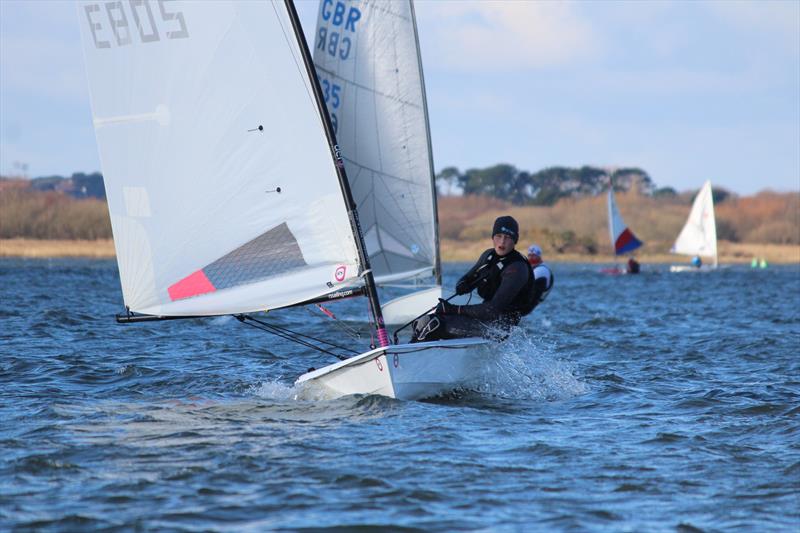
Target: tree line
79, 185
503, 181
546, 186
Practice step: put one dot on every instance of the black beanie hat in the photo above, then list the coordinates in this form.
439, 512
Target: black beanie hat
508, 226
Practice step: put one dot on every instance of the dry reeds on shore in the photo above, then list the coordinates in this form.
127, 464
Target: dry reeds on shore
765, 225
40, 248
26, 213
48, 224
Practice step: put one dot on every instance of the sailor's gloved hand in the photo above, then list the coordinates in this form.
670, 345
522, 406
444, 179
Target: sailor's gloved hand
446, 308
463, 287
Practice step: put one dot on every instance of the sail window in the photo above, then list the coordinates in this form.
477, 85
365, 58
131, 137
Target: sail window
268, 255
137, 202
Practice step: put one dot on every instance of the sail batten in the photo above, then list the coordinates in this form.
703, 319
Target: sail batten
221, 185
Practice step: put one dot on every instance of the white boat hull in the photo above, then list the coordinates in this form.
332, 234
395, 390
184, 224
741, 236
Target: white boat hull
403, 371
691, 268
408, 307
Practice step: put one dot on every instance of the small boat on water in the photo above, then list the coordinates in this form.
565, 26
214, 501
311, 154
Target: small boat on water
226, 187
698, 238
623, 241
369, 64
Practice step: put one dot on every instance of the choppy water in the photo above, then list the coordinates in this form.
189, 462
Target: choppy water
657, 402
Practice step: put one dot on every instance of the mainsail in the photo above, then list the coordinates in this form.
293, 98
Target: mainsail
222, 190
699, 235
367, 59
622, 238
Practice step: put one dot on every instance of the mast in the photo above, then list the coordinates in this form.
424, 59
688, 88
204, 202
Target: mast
369, 280
611, 202
437, 260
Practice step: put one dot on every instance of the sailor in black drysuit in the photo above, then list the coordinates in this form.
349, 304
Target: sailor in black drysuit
503, 278
633, 266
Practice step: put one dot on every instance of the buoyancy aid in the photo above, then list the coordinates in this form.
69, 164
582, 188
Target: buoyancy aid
542, 272
488, 274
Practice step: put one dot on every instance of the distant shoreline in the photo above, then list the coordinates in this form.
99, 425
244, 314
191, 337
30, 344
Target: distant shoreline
451, 251
46, 248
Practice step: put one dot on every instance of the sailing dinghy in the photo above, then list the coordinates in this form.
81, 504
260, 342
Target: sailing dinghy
622, 238
368, 62
698, 238
225, 185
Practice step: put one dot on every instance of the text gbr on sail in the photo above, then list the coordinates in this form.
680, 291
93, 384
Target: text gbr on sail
333, 40
111, 22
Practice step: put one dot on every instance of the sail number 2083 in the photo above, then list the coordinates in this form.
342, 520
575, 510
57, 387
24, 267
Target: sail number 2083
111, 22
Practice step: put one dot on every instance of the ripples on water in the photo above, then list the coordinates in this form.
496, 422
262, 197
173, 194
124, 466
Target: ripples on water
652, 402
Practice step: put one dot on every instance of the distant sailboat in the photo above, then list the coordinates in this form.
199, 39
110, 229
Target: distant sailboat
623, 240
226, 188
698, 238
368, 62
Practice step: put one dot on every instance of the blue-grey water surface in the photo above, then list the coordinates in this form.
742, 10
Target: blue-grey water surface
659, 402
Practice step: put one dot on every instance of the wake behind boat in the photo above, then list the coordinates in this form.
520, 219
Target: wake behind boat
225, 185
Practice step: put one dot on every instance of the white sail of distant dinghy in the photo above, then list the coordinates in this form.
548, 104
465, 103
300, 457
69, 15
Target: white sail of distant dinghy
224, 184
699, 236
368, 62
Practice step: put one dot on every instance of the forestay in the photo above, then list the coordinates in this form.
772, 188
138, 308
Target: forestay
221, 186
367, 59
699, 235
622, 238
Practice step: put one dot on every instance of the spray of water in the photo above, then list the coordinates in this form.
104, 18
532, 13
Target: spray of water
526, 367
303, 392
274, 390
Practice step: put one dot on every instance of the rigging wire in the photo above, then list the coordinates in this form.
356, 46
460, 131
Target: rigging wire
348, 330
294, 336
292, 43
287, 331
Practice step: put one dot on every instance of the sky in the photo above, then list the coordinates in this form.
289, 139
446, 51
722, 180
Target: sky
687, 91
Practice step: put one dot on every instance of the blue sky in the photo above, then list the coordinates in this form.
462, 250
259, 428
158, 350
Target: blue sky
688, 91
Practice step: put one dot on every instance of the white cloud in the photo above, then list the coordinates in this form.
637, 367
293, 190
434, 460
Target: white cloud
470, 35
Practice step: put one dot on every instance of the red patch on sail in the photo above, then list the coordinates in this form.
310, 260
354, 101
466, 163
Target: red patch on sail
191, 285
